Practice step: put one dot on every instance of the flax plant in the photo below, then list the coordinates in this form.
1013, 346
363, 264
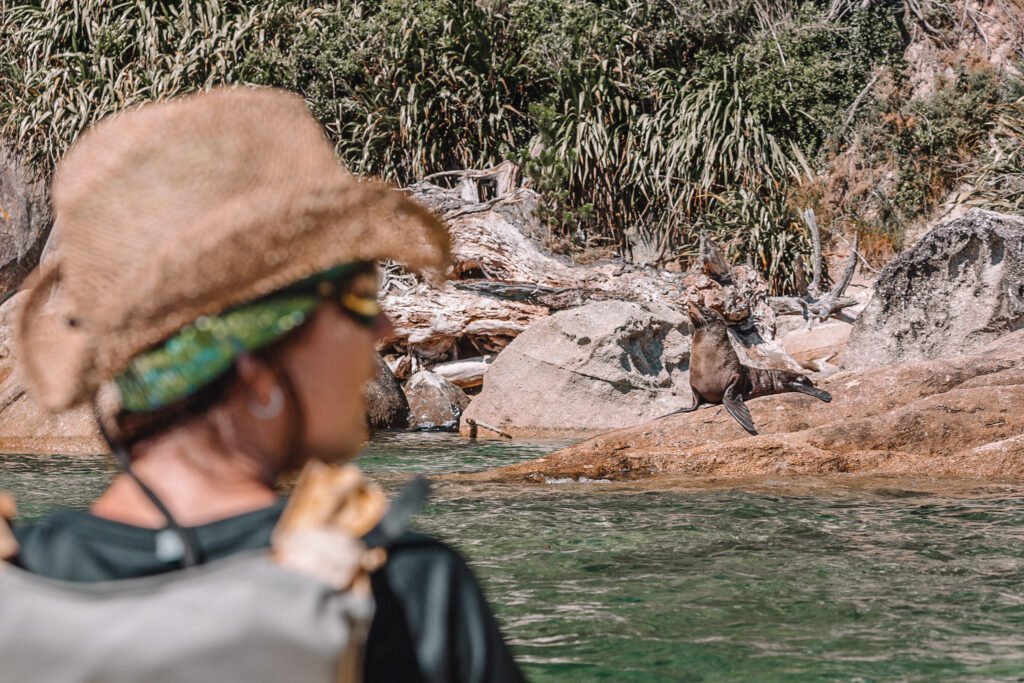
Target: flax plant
640, 121
71, 62
998, 183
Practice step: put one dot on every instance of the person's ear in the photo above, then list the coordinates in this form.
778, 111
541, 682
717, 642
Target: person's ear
256, 378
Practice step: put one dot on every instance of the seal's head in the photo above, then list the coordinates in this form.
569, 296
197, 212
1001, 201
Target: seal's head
701, 316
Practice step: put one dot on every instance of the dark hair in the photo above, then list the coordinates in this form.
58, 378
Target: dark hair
132, 427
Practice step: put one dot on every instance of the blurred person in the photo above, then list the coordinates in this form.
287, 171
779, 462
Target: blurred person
214, 299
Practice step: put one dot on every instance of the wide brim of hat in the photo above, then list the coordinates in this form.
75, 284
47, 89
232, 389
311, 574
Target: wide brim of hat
66, 355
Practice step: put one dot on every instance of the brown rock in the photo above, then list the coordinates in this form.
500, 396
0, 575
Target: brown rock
434, 402
386, 406
956, 417
25, 220
25, 427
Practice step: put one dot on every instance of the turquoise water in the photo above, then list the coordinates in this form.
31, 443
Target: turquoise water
779, 580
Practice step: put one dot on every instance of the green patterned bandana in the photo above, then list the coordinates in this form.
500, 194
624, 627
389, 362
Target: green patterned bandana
203, 351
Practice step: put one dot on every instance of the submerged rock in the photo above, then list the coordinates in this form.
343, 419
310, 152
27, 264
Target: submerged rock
605, 365
961, 417
959, 288
434, 402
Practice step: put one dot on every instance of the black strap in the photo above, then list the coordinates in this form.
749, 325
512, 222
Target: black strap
189, 544
396, 520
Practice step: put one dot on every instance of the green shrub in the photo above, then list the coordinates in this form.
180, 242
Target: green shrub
647, 118
931, 142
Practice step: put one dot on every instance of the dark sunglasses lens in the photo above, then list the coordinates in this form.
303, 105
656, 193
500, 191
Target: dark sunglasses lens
364, 310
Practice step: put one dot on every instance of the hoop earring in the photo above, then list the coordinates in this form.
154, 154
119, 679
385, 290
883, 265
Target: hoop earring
269, 410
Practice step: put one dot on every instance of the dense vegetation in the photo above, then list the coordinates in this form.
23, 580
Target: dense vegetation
643, 122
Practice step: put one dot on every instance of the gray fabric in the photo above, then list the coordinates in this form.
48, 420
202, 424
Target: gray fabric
238, 619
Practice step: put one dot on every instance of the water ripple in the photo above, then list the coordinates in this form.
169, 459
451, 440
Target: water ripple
776, 580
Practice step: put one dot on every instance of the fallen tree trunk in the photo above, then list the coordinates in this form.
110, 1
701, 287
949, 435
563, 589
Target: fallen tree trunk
467, 373
430, 323
813, 304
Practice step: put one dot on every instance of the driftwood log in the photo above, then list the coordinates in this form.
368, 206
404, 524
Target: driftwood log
465, 374
814, 304
501, 279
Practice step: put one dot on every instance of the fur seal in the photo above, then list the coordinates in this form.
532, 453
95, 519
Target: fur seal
718, 376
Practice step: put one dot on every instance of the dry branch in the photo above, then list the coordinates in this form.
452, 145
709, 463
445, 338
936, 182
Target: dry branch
473, 424
501, 280
814, 305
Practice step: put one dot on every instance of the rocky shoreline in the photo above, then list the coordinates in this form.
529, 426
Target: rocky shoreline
951, 417
924, 363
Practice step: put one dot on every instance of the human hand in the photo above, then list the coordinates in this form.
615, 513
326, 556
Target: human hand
8, 544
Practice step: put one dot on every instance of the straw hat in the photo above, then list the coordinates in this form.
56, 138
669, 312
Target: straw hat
184, 208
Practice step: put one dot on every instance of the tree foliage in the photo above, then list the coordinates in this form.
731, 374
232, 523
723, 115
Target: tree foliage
643, 122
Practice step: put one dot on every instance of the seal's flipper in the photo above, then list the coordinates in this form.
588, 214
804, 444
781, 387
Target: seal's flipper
811, 391
698, 401
733, 402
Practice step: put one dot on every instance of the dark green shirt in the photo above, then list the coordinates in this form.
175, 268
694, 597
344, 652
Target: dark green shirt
431, 623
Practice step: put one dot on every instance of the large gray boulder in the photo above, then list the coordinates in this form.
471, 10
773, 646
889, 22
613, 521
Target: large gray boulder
601, 366
25, 219
955, 291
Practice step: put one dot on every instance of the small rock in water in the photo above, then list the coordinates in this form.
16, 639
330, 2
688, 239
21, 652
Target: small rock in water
434, 402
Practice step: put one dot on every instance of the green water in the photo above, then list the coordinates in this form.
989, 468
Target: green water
778, 581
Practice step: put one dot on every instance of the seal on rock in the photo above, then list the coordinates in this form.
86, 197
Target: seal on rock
718, 376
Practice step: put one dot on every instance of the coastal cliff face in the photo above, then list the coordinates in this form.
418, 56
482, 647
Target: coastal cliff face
25, 219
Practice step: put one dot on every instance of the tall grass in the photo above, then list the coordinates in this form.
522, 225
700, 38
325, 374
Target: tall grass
68, 63
642, 122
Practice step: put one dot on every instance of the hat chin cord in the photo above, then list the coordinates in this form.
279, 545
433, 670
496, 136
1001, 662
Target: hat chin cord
191, 555
190, 546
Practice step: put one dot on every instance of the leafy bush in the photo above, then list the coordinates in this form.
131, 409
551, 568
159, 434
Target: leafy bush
998, 182
641, 121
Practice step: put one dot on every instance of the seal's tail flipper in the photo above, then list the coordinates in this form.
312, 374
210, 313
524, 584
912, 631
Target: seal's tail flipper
811, 391
738, 409
698, 401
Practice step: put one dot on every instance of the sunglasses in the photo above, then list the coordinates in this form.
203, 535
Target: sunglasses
355, 296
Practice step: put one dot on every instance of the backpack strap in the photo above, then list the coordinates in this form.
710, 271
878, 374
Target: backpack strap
403, 508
